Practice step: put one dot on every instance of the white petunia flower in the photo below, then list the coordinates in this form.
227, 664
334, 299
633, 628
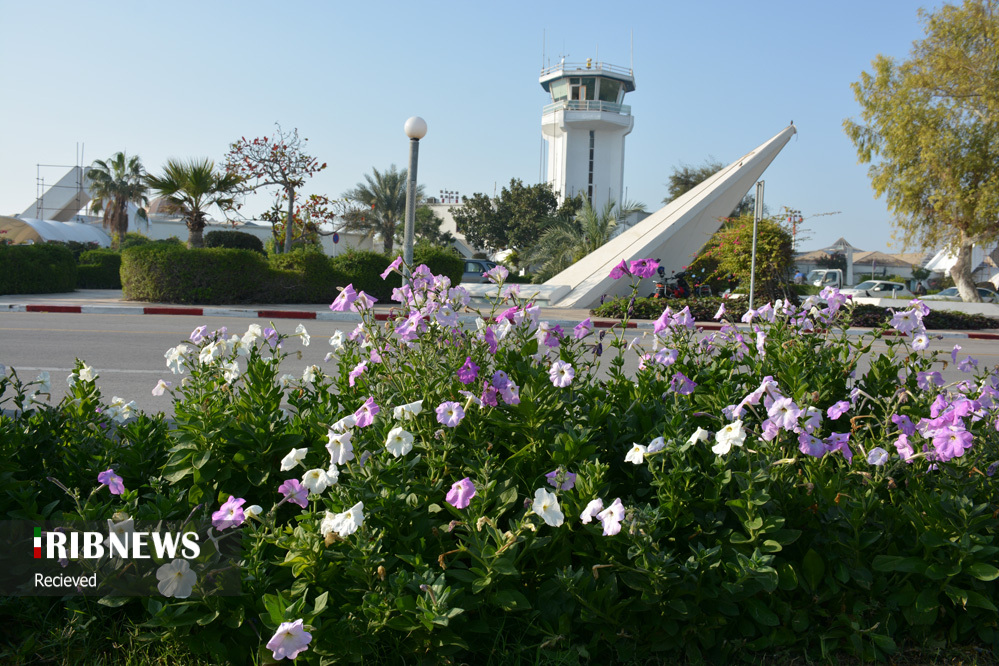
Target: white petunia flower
344, 524
399, 442
729, 436
317, 480
348, 421
546, 505
407, 411
294, 457
176, 579
339, 446
636, 454
700, 435
306, 338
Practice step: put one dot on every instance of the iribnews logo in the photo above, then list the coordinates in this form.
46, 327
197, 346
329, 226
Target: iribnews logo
57, 545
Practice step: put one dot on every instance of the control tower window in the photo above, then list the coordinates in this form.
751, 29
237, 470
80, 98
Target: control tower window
609, 90
582, 88
560, 90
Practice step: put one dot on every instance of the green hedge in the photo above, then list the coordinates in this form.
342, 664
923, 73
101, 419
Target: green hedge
364, 270
45, 268
234, 240
173, 274
315, 278
440, 261
99, 269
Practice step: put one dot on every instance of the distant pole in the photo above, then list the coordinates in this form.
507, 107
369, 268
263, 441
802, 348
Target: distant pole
757, 214
416, 129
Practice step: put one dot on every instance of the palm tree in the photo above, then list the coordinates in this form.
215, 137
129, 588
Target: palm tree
113, 185
194, 186
565, 242
383, 204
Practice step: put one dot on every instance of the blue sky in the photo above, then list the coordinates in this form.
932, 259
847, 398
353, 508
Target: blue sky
713, 79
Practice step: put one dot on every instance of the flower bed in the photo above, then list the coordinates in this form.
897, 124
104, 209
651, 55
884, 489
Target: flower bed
703, 309
460, 496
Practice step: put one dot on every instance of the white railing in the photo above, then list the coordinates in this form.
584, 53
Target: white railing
588, 105
592, 67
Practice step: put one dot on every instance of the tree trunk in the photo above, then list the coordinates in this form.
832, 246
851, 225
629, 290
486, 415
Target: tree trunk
289, 221
961, 272
387, 245
197, 229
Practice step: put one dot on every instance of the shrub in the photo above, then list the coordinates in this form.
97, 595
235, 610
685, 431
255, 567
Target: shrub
99, 269
43, 268
787, 491
363, 269
440, 260
170, 273
311, 278
235, 240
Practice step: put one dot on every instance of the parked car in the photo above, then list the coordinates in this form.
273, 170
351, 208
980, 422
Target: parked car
474, 268
878, 289
987, 295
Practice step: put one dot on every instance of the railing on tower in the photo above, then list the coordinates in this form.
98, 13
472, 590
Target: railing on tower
587, 105
591, 66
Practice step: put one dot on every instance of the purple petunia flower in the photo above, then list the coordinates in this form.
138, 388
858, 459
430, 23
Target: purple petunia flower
643, 268
345, 299
365, 414
229, 514
295, 492
468, 372
568, 479
682, 384
837, 410
450, 413
112, 481
620, 270
461, 493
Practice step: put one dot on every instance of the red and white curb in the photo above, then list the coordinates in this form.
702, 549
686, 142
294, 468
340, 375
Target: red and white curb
319, 315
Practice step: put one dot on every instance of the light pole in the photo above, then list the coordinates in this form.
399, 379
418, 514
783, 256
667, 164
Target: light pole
416, 129
757, 214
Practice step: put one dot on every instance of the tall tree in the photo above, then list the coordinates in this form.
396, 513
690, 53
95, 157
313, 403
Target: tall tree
685, 178
278, 160
515, 219
930, 133
194, 187
565, 242
427, 228
382, 204
114, 184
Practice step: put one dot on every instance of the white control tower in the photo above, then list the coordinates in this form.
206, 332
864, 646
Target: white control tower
584, 127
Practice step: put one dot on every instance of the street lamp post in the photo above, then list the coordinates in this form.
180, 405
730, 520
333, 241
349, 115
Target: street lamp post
416, 129
757, 214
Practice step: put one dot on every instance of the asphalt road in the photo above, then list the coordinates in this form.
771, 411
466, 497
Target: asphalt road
127, 350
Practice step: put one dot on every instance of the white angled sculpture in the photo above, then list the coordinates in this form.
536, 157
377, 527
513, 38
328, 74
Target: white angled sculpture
673, 234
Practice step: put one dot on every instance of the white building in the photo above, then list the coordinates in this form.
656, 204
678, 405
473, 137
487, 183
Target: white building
584, 129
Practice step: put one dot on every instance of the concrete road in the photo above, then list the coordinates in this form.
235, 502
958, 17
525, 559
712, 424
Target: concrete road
127, 350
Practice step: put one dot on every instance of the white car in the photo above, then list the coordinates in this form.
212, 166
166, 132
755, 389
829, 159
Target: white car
987, 295
877, 289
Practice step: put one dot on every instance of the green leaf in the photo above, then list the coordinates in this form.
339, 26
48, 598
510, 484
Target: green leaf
199, 460
511, 600
813, 568
320, 604
927, 600
896, 563
275, 608
761, 614
982, 571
